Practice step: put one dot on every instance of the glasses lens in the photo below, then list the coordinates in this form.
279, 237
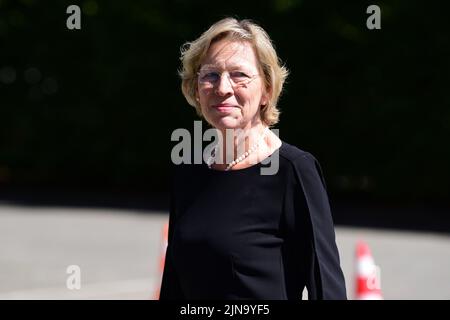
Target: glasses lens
209, 77
212, 77
239, 77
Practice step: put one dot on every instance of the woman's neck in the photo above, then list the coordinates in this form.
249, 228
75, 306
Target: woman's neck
236, 142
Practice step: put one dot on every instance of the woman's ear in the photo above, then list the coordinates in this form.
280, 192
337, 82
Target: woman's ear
266, 96
197, 97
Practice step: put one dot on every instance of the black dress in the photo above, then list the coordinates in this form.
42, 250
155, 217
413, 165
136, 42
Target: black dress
241, 235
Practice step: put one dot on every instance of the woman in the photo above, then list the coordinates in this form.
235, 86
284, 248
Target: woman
235, 233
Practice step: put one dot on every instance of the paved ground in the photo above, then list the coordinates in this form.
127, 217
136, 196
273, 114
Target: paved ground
118, 252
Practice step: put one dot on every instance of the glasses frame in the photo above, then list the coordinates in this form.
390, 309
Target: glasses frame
233, 85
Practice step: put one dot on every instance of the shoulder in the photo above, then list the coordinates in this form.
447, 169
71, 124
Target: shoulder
304, 165
297, 156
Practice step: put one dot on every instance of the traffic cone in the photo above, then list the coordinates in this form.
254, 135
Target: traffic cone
164, 240
368, 274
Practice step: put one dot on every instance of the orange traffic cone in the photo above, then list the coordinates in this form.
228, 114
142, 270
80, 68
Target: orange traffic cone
368, 274
165, 232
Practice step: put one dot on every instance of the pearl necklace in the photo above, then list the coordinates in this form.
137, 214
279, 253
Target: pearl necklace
212, 159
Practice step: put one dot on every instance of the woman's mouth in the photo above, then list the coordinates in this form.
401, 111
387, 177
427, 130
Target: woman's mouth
223, 107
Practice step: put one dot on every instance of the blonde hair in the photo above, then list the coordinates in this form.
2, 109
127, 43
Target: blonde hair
275, 73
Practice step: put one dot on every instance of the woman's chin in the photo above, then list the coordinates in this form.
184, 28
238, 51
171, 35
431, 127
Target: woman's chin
226, 123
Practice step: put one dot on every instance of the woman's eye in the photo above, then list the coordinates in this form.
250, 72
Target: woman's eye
210, 76
239, 74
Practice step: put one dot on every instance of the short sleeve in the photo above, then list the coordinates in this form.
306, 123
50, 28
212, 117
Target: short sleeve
323, 275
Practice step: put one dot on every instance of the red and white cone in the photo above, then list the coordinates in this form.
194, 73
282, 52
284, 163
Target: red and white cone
368, 285
164, 241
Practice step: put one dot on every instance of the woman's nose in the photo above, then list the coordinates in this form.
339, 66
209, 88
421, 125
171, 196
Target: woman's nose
223, 86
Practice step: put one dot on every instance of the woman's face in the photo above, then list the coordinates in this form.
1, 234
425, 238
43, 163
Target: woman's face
230, 85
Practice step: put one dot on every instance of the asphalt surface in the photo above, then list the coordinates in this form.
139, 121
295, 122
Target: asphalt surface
119, 253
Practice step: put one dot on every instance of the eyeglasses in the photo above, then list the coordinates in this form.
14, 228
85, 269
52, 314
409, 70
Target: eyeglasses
209, 78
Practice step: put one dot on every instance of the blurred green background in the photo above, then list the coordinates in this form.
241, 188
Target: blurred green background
93, 109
